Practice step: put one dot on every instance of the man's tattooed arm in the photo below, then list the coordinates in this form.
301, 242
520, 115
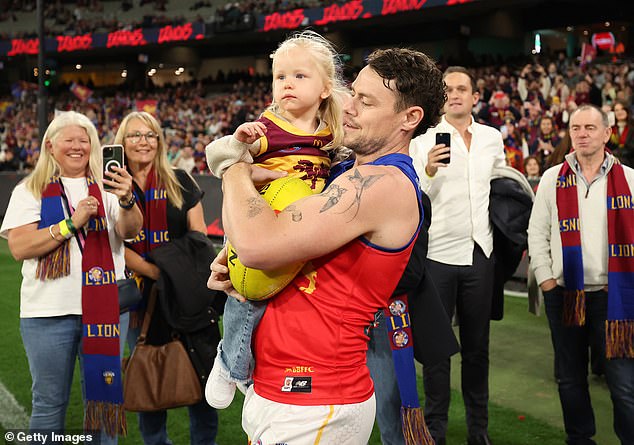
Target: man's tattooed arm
334, 194
361, 184
296, 214
255, 206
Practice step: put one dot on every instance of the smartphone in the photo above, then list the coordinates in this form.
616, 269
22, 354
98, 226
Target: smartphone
112, 157
444, 138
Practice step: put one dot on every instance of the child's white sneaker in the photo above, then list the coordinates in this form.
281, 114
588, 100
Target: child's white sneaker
219, 391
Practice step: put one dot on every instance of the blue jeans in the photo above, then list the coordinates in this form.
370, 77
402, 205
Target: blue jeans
571, 346
239, 321
388, 399
52, 344
203, 419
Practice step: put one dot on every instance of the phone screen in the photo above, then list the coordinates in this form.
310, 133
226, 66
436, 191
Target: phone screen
112, 157
444, 138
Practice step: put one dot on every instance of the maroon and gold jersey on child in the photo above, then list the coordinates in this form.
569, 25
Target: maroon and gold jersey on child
287, 148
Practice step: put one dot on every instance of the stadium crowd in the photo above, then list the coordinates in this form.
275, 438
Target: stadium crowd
529, 103
84, 16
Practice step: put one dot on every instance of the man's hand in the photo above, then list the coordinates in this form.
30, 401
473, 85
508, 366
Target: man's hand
249, 132
219, 277
438, 152
549, 284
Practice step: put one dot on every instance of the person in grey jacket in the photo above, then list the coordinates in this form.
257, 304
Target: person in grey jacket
581, 239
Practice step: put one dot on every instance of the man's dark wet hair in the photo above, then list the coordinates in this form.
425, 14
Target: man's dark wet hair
416, 79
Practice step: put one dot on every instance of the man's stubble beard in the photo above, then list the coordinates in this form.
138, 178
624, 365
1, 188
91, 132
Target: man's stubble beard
364, 146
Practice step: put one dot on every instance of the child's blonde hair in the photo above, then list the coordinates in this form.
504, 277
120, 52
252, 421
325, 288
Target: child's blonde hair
328, 64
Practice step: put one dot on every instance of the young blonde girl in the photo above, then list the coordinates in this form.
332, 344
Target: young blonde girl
300, 133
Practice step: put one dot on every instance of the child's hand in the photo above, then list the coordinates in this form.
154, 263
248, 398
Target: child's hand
249, 132
219, 277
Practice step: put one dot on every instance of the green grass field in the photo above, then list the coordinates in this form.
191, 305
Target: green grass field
524, 407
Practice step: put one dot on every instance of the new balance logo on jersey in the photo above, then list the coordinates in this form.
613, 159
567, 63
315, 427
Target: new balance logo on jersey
297, 384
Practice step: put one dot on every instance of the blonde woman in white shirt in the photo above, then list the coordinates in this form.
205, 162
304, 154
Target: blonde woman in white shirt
460, 247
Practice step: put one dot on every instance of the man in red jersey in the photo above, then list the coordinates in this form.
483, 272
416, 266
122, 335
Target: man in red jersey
311, 382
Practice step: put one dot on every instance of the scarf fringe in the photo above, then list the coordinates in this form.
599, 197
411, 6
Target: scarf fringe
105, 416
415, 430
574, 308
54, 265
619, 339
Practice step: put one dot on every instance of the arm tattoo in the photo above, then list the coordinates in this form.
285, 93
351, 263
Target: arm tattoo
296, 214
255, 207
333, 193
360, 184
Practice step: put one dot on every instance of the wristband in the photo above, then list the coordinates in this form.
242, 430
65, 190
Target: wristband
64, 230
50, 230
127, 205
71, 226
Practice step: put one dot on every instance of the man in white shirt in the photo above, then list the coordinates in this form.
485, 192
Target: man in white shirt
460, 247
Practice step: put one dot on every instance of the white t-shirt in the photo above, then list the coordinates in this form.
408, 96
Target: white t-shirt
61, 296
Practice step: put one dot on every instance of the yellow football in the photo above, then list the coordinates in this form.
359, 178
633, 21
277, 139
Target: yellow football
255, 284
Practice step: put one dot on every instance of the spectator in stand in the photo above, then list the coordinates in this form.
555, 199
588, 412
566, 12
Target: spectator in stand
185, 160
608, 93
172, 153
533, 84
573, 76
529, 124
546, 140
533, 171
559, 90
621, 141
513, 144
586, 92
495, 112
561, 150
8, 161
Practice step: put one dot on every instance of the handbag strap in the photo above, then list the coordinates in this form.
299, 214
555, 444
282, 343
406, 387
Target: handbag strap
147, 318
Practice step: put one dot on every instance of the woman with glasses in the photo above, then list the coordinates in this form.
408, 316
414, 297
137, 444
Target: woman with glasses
170, 201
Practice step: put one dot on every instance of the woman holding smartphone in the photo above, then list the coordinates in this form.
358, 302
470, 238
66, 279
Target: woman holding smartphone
170, 201
69, 232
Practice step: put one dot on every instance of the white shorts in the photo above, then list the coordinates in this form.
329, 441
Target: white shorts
272, 423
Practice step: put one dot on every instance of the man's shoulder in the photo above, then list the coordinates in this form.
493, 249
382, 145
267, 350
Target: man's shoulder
486, 129
552, 172
629, 175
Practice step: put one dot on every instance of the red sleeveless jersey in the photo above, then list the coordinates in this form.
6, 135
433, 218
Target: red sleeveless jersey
310, 346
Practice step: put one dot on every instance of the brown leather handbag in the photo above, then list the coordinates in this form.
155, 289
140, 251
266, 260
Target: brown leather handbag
159, 377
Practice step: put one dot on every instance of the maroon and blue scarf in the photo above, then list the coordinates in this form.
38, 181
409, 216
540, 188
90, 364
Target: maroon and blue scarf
399, 331
101, 364
154, 232
620, 214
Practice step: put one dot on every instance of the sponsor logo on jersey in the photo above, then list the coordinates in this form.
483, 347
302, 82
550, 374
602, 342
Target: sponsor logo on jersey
298, 384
